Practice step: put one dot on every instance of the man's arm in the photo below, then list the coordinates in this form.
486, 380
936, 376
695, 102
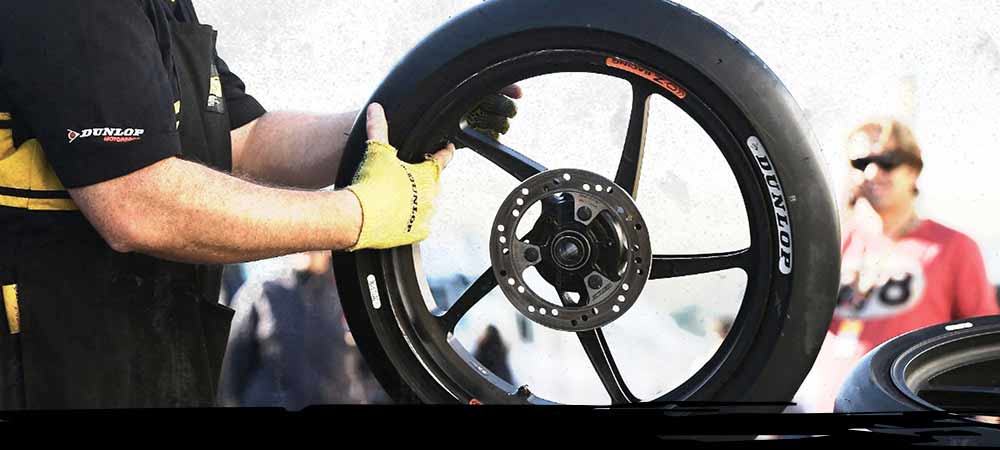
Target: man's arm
292, 148
182, 211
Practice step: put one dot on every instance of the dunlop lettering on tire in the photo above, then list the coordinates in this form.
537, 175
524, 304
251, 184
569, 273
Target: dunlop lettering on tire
781, 217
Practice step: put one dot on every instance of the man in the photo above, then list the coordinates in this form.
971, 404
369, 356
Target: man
120, 132
899, 272
289, 345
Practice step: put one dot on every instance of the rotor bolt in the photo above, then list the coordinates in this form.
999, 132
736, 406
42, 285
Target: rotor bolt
595, 282
531, 254
584, 213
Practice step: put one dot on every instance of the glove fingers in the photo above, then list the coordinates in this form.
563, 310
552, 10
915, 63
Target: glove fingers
499, 104
491, 122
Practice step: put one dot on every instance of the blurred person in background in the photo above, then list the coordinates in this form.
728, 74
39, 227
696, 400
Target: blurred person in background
290, 346
899, 271
491, 352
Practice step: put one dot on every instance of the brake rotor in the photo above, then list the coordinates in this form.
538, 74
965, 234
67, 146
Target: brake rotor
590, 243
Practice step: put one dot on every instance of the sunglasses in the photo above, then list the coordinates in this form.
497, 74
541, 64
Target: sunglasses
885, 161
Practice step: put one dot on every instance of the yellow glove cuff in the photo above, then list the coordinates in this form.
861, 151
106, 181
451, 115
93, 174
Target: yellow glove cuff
396, 198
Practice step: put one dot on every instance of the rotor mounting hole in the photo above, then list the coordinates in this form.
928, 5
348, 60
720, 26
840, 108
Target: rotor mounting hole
555, 312
616, 309
638, 260
638, 227
503, 240
621, 298
599, 188
520, 289
520, 202
524, 191
516, 213
500, 228
531, 308
584, 317
505, 250
595, 311
503, 273
586, 187
566, 177
541, 311
511, 281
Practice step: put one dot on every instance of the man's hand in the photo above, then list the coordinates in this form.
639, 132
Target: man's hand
396, 197
493, 113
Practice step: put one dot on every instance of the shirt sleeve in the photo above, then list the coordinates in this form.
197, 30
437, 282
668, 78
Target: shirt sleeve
243, 108
974, 296
90, 80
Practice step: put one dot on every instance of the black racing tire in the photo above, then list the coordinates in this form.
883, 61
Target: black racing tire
953, 367
775, 339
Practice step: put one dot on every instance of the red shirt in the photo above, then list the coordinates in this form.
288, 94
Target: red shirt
933, 274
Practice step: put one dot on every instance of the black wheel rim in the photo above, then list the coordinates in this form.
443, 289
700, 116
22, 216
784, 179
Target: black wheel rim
464, 380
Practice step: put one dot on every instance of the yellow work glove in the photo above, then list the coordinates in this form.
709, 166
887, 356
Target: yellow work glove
396, 198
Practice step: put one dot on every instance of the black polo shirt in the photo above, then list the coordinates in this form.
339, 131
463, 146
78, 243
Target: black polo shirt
94, 82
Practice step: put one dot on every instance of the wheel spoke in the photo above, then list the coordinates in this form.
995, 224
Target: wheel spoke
514, 163
627, 176
472, 295
600, 357
670, 266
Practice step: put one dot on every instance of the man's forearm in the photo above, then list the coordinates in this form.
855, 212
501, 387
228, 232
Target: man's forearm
182, 211
292, 148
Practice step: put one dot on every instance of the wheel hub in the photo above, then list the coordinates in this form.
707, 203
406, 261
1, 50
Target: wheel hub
570, 250
590, 244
